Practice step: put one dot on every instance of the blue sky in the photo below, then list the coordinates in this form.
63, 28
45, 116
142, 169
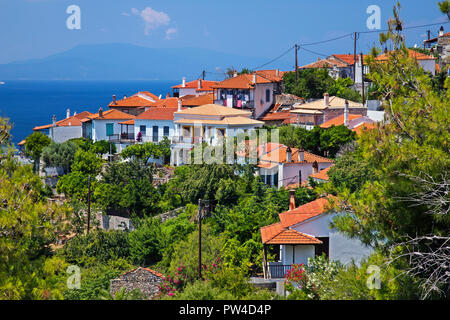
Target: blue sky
260, 28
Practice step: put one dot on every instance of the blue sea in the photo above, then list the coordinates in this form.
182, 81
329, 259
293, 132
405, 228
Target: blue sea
32, 103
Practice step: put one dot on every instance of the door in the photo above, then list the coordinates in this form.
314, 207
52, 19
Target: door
109, 129
155, 133
323, 248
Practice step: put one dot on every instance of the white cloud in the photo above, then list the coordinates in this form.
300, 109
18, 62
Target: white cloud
170, 32
125, 14
152, 18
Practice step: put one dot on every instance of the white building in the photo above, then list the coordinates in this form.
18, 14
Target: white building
252, 92
282, 166
66, 129
207, 124
305, 232
108, 125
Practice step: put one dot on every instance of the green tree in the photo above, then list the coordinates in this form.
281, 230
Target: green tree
34, 144
59, 155
148, 150
102, 147
146, 242
410, 158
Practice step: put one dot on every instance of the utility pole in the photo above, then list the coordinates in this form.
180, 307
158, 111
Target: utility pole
203, 74
354, 56
362, 76
89, 204
296, 62
200, 205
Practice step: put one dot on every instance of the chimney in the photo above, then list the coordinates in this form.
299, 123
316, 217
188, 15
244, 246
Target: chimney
68, 113
288, 154
168, 95
199, 83
124, 96
75, 113
326, 99
254, 77
277, 73
291, 199
100, 112
54, 120
114, 99
183, 84
441, 31
301, 155
235, 74
179, 105
346, 113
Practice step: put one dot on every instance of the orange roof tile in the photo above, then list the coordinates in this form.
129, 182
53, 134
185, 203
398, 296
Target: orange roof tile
279, 155
74, 120
411, 53
364, 127
205, 85
197, 101
111, 114
304, 212
245, 81
322, 175
339, 120
276, 234
140, 99
349, 58
158, 113
327, 62
128, 122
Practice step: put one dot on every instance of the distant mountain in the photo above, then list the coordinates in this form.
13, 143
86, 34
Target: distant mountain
127, 62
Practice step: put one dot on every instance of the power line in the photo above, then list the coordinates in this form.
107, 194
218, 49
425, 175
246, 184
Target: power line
314, 52
324, 41
407, 28
273, 60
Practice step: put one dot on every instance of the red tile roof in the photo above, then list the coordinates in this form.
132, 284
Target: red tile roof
411, 53
140, 99
276, 234
339, 120
279, 156
364, 127
327, 62
192, 101
245, 81
322, 175
158, 113
111, 114
304, 212
349, 58
74, 120
205, 85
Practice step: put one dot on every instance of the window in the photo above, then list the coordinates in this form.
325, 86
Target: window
221, 132
142, 129
166, 131
323, 248
267, 95
155, 133
109, 129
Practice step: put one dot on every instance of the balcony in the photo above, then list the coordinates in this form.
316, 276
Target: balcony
122, 138
277, 270
250, 105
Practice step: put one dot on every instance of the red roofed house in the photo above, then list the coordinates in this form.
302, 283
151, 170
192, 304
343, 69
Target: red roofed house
135, 104
196, 88
305, 232
284, 166
66, 129
428, 63
109, 125
254, 92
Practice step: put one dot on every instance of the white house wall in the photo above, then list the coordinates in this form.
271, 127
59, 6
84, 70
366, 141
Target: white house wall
428, 65
290, 171
302, 252
62, 134
341, 247
260, 98
99, 129
149, 128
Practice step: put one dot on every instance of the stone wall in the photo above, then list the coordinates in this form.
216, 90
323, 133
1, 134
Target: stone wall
141, 278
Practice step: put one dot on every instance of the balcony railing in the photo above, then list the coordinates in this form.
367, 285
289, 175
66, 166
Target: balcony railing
121, 137
244, 104
278, 270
